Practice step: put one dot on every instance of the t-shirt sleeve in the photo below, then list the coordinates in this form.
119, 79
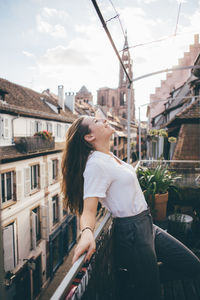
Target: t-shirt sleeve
96, 181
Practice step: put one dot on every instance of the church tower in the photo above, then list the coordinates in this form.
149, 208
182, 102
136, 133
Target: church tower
124, 82
126, 59
115, 100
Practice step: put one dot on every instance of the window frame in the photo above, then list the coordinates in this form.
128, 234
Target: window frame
37, 179
4, 183
55, 169
55, 209
37, 211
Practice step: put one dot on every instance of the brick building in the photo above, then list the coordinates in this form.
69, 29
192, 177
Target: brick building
115, 100
173, 81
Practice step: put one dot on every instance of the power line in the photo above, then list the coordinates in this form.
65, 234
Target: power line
118, 18
110, 38
177, 20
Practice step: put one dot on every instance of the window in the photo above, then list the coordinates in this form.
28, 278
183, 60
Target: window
121, 98
34, 177
54, 169
8, 187
113, 101
38, 126
36, 227
124, 115
102, 102
58, 130
55, 209
10, 247
49, 127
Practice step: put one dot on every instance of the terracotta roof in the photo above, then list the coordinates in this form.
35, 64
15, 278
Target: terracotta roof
22, 100
191, 112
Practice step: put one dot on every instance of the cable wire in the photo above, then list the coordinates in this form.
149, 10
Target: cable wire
118, 18
177, 20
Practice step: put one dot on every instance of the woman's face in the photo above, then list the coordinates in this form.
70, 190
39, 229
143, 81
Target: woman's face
99, 128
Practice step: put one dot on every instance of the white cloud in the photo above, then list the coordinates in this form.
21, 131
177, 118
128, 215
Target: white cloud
56, 30
28, 54
64, 56
147, 1
52, 21
52, 12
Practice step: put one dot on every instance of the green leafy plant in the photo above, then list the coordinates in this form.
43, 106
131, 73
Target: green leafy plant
172, 139
157, 180
46, 135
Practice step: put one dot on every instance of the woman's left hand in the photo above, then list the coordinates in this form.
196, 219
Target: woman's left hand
86, 243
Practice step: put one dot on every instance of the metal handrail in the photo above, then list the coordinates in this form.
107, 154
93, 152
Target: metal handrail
68, 279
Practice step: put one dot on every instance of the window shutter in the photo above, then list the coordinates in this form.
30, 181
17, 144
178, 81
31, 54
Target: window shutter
59, 168
42, 176
45, 222
27, 181
1, 127
32, 129
40, 126
6, 127
55, 129
9, 248
50, 172
19, 185
33, 228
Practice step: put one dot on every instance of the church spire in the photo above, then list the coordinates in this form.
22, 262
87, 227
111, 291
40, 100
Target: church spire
126, 59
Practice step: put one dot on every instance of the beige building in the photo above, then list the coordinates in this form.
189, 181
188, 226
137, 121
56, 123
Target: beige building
37, 231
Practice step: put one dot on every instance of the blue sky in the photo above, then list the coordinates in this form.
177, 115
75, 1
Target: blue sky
46, 43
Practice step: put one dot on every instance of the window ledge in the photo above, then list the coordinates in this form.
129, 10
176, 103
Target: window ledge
8, 204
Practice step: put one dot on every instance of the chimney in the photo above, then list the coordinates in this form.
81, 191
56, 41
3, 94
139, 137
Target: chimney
70, 101
196, 39
61, 96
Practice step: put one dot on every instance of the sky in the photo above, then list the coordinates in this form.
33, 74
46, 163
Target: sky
46, 43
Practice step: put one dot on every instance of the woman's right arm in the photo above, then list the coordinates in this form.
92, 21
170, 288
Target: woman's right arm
87, 219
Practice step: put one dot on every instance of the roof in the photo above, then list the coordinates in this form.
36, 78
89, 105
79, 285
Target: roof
191, 112
26, 102
84, 90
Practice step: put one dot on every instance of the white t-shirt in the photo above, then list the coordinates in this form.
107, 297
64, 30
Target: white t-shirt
116, 185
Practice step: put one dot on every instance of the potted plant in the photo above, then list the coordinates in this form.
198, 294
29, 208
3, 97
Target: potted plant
155, 184
46, 135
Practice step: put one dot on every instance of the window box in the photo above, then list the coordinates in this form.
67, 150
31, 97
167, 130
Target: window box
33, 144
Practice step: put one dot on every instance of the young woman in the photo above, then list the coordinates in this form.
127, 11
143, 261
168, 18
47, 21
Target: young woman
91, 173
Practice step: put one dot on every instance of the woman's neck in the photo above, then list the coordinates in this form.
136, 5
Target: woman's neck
104, 148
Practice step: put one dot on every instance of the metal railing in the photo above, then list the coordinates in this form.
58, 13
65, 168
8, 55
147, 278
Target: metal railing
62, 289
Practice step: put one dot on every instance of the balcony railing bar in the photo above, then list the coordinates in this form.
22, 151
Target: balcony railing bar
68, 279
169, 161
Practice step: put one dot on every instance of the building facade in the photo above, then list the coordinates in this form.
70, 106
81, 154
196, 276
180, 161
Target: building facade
37, 230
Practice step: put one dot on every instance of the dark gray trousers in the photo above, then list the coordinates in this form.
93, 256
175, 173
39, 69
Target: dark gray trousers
139, 245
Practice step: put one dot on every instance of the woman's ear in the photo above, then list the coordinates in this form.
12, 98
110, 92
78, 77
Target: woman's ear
89, 138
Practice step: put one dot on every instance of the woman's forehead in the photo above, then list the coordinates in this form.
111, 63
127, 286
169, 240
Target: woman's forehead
88, 120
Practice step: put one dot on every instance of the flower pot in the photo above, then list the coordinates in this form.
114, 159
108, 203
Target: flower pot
180, 226
159, 208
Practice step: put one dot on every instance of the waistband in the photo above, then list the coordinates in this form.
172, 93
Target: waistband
137, 217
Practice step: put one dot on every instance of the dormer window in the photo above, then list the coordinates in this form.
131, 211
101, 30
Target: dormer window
3, 95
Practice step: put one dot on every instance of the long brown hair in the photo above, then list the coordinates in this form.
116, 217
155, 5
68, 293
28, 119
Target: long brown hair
74, 160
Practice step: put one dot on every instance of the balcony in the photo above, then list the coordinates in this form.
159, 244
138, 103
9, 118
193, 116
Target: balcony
31, 144
96, 280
